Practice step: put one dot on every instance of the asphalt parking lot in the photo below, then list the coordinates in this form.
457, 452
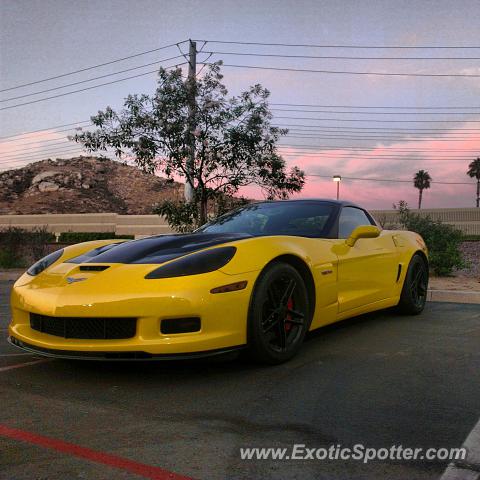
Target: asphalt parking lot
379, 380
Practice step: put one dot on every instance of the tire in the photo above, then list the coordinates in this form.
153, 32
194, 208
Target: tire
414, 291
279, 315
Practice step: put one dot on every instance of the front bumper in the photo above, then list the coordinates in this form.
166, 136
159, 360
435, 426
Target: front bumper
223, 316
116, 356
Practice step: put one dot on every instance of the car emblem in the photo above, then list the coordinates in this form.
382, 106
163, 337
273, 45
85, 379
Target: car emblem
74, 280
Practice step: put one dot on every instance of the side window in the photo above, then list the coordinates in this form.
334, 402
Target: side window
351, 218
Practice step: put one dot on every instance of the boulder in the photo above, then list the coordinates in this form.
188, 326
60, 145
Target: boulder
48, 187
43, 175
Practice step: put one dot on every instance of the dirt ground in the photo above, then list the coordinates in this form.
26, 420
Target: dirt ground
459, 283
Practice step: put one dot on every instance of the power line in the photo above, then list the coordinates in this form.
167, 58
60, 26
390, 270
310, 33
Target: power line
373, 120
386, 180
46, 129
377, 130
380, 139
53, 150
339, 153
371, 149
41, 156
62, 142
400, 107
36, 142
407, 157
384, 159
372, 113
398, 149
93, 66
415, 129
89, 80
469, 47
88, 88
348, 72
336, 57
425, 136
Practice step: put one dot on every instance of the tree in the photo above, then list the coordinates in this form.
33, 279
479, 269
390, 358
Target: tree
474, 172
235, 143
421, 180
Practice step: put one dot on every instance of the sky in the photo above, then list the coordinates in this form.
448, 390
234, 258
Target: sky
45, 38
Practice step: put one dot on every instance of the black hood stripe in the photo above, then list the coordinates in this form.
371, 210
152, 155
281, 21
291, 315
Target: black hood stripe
156, 250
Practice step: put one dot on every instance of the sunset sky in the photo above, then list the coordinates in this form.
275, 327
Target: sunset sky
434, 125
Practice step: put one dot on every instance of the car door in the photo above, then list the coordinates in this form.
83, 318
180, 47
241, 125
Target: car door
367, 271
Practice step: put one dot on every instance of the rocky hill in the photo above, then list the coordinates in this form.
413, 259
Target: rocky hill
82, 185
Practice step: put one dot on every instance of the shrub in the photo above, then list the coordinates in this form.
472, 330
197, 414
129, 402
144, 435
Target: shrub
19, 247
182, 216
78, 237
443, 240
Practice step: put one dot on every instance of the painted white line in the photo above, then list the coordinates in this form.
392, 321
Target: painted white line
468, 469
15, 354
26, 364
455, 473
472, 444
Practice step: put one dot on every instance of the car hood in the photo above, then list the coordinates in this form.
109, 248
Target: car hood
156, 250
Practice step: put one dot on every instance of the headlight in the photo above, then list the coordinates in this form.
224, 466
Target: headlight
44, 263
202, 262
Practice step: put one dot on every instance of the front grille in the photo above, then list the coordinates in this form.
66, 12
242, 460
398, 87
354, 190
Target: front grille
84, 327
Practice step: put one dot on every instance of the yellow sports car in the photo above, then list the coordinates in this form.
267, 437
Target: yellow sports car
257, 278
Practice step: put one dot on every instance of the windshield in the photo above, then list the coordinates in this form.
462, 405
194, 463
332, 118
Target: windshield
304, 219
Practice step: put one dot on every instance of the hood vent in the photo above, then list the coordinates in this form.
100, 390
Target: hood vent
93, 268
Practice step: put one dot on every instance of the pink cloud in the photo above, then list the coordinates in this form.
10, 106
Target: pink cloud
373, 164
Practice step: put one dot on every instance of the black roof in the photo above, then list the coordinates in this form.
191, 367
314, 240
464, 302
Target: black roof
340, 203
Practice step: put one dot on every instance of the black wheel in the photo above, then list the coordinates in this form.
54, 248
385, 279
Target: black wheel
279, 314
414, 291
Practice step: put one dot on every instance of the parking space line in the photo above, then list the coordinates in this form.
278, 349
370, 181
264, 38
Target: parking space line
25, 364
146, 471
468, 469
15, 354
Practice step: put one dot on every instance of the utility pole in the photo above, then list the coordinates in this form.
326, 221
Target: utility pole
192, 92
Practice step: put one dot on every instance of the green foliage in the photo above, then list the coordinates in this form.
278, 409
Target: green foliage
79, 237
19, 247
235, 143
443, 240
181, 216
225, 204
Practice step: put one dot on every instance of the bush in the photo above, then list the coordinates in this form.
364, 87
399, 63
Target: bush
443, 241
19, 247
181, 216
79, 237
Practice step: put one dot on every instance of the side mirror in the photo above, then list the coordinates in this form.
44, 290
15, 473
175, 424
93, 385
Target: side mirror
363, 231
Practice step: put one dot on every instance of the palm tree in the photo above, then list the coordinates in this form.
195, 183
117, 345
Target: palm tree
421, 180
474, 172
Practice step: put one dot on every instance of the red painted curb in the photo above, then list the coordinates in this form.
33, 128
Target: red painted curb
146, 471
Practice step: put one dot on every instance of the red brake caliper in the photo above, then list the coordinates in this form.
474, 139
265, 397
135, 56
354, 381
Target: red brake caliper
288, 325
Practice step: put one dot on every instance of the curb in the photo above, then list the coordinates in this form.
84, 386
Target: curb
456, 296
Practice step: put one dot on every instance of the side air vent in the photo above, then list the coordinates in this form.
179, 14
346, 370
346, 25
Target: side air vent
93, 268
399, 272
